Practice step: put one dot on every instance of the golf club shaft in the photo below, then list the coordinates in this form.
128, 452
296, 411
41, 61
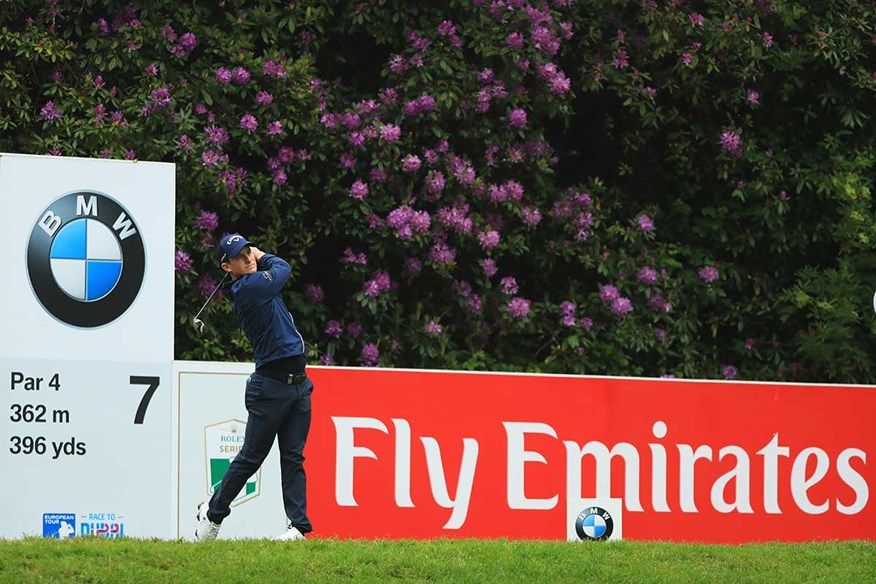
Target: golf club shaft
219, 285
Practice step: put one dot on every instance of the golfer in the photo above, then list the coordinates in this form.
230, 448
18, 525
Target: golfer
277, 393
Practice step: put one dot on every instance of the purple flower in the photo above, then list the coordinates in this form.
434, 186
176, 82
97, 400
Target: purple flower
608, 293
207, 221
732, 143
513, 190
660, 334
418, 41
411, 163
644, 224
647, 276
351, 257
99, 114
508, 285
621, 59
359, 190
441, 253
370, 355
348, 160
213, 157
223, 75
456, 218
752, 97
413, 267
518, 307
280, 177
187, 43
515, 41
687, 59
586, 323
356, 139
621, 306
275, 128
378, 284
314, 293
240, 76
433, 328
423, 104
488, 239
390, 133
264, 98
489, 267
216, 135
273, 69
184, 143
354, 329
446, 28
517, 118
129, 155
206, 285
249, 123
397, 64
531, 215
160, 96
50, 111
658, 303
327, 359
696, 19
729, 372
334, 329
708, 274
435, 182
182, 262
567, 314
767, 40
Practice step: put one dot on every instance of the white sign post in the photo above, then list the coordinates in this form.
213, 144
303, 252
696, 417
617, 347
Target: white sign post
87, 347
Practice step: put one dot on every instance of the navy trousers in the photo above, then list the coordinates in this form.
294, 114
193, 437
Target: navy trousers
275, 409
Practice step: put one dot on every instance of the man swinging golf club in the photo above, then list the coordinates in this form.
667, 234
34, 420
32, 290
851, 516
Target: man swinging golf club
277, 393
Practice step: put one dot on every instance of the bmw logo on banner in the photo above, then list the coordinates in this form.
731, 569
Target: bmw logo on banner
85, 259
594, 523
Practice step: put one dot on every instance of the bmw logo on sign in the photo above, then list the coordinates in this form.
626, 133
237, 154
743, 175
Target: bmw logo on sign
85, 259
594, 523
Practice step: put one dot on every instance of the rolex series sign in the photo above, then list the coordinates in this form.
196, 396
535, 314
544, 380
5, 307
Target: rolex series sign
87, 347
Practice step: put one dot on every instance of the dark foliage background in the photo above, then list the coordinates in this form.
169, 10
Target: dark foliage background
607, 187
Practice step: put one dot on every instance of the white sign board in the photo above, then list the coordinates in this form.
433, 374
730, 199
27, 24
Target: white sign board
86, 354
209, 422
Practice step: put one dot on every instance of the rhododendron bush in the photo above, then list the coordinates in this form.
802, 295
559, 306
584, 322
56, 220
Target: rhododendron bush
623, 188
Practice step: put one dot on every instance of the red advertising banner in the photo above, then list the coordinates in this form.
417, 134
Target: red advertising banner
423, 454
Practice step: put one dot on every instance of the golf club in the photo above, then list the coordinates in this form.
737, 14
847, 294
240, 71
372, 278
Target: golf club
197, 322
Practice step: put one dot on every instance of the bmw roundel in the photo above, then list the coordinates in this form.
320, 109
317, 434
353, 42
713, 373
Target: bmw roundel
85, 259
594, 523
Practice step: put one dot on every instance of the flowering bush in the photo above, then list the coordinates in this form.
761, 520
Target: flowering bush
633, 188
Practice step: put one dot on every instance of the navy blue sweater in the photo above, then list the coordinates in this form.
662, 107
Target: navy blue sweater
257, 300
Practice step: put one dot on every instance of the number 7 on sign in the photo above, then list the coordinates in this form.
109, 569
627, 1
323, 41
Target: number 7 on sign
152, 382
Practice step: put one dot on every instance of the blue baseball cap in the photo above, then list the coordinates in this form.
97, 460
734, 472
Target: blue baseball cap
231, 246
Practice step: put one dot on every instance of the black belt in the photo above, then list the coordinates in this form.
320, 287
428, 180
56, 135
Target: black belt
288, 379
296, 378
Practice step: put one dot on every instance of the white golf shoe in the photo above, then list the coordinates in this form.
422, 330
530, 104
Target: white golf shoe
206, 530
291, 533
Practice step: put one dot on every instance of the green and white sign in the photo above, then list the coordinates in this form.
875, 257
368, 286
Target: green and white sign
223, 441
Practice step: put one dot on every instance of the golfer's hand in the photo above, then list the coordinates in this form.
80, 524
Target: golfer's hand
256, 253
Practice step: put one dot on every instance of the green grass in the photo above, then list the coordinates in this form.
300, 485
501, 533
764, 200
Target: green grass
260, 561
